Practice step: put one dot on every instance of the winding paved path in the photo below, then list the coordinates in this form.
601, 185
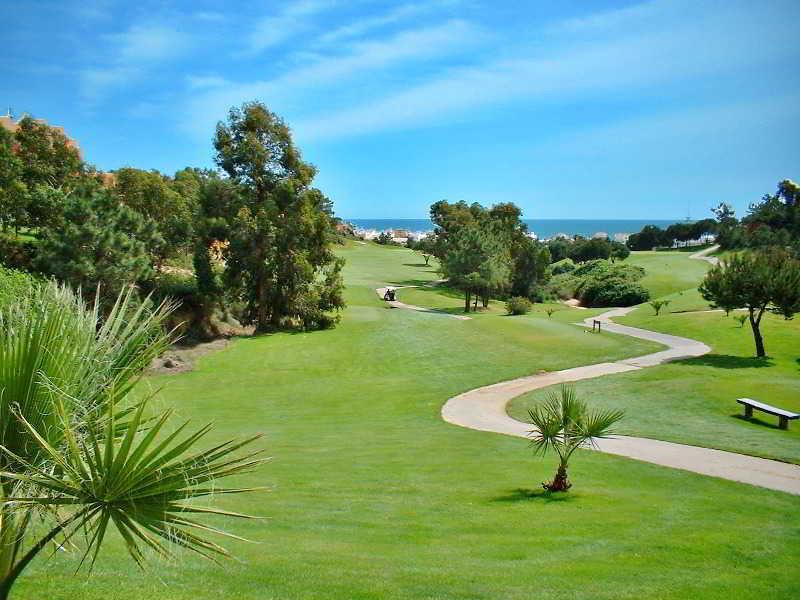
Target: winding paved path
484, 409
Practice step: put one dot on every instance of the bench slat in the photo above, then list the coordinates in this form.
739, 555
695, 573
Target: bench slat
773, 410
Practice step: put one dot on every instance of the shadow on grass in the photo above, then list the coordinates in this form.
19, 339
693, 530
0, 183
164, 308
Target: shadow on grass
726, 361
525, 495
758, 421
414, 282
422, 264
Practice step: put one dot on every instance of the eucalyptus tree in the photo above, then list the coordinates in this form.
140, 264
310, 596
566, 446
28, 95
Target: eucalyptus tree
280, 227
79, 455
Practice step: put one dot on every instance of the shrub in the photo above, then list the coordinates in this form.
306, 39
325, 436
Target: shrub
517, 305
610, 284
562, 266
13, 285
612, 290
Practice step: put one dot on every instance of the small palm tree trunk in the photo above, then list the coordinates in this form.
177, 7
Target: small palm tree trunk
560, 483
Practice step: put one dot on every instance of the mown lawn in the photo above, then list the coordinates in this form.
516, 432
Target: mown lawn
668, 272
374, 496
694, 401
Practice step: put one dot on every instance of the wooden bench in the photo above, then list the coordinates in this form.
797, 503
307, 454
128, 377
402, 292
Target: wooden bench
784, 416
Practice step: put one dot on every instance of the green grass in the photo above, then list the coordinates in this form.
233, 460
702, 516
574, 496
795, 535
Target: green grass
668, 272
376, 497
694, 401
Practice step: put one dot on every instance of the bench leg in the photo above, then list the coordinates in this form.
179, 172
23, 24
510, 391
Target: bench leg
784, 423
748, 412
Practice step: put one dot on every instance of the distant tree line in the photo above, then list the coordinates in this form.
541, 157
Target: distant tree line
773, 221
251, 240
652, 236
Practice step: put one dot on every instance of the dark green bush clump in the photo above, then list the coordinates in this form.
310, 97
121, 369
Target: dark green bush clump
562, 266
518, 305
601, 283
17, 253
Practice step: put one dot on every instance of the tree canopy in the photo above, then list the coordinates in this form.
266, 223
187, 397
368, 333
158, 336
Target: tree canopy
279, 226
759, 281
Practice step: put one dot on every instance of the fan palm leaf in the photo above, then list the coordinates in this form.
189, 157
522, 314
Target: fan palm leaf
75, 449
563, 423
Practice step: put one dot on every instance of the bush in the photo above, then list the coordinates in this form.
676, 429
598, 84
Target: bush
517, 305
562, 266
562, 286
612, 291
601, 283
13, 285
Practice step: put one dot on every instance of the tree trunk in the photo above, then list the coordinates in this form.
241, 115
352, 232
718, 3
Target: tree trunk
755, 324
485, 301
466, 301
560, 482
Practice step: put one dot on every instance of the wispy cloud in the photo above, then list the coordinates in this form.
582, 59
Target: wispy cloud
293, 20
148, 43
200, 82
613, 59
359, 60
361, 26
131, 54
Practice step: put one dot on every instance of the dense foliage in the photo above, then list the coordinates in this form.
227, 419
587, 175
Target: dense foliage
601, 283
252, 242
486, 252
100, 245
279, 227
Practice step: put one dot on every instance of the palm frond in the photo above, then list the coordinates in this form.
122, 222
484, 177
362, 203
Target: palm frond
148, 501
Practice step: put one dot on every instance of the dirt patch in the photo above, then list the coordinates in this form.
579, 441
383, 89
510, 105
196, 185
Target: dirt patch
181, 358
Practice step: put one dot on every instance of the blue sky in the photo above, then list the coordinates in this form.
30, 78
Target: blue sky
571, 109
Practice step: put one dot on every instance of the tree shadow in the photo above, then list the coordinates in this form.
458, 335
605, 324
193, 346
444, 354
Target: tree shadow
525, 495
726, 361
410, 282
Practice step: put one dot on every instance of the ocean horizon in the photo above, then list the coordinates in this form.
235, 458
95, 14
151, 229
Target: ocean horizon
544, 228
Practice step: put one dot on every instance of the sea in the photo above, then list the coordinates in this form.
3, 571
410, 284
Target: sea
543, 228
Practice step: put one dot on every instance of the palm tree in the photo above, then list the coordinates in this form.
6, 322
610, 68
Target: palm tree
563, 423
78, 454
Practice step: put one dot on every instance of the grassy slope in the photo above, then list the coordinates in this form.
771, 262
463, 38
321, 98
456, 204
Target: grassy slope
694, 401
668, 272
376, 497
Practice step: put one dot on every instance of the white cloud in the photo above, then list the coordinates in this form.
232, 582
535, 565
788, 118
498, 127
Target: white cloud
362, 26
615, 60
290, 22
360, 60
132, 52
148, 43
